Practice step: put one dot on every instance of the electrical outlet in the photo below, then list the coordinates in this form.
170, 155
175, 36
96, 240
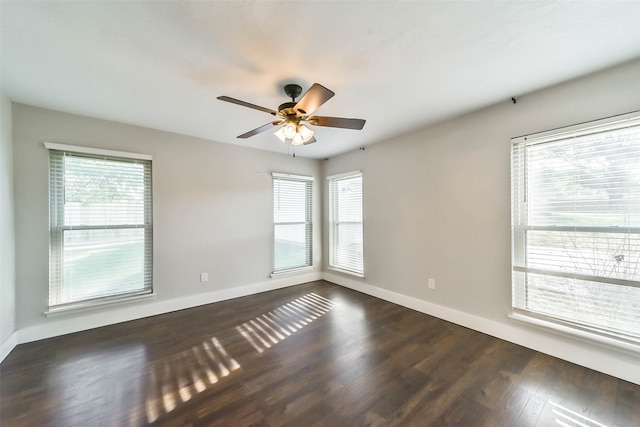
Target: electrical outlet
432, 284
204, 277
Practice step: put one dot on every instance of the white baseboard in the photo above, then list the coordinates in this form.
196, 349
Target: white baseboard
66, 324
8, 345
594, 356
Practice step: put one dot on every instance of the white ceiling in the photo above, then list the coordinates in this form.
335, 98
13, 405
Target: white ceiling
399, 65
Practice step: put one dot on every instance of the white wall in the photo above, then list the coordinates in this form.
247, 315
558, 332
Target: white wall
212, 213
7, 245
437, 204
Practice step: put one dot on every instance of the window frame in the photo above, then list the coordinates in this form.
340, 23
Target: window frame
57, 228
334, 263
520, 225
308, 223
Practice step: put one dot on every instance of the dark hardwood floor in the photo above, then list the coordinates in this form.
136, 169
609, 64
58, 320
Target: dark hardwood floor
311, 355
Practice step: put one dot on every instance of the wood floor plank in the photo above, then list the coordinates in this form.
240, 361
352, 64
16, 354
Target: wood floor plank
627, 411
309, 355
519, 395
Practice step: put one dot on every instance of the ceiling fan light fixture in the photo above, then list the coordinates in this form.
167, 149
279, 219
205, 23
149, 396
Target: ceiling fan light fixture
305, 133
289, 130
297, 139
295, 133
280, 134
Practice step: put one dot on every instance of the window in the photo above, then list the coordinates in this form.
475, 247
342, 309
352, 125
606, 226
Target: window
292, 226
576, 227
100, 218
345, 223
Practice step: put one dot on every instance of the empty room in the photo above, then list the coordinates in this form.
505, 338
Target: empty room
320, 213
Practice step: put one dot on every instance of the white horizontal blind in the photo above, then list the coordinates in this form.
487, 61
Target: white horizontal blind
345, 212
292, 224
576, 226
100, 227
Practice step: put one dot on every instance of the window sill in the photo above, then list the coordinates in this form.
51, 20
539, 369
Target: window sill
602, 340
88, 306
349, 272
290, 272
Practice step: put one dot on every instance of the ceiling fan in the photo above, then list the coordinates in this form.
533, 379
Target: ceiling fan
293, 115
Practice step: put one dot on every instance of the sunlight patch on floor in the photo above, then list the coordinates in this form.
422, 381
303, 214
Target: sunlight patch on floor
180, 377
270, 328
177, 379
565, 417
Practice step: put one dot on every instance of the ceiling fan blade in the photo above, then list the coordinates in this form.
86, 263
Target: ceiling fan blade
337, 122
311, 141
312, 99
260, 129
247, 104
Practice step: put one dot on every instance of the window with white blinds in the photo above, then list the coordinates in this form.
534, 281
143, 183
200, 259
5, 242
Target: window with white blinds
576, 226
100, 246
345, 223
292, 222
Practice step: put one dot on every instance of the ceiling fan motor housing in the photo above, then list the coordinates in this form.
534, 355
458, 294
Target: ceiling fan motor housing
287, 108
